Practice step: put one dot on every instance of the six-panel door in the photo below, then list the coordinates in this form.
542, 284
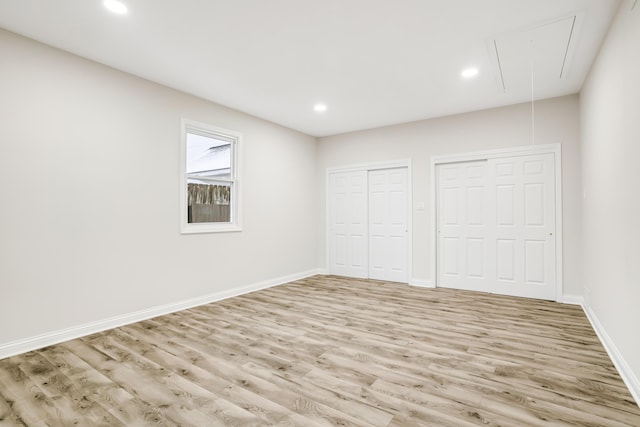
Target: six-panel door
348, 237
388, 217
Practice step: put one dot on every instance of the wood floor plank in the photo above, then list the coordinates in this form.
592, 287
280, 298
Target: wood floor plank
205, 362
29, 403
349, 412
64, 396
188, 402
8, 417
97, 387
326, 351
148, 383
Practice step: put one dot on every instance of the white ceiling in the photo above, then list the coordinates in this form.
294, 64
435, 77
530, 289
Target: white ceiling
372, 62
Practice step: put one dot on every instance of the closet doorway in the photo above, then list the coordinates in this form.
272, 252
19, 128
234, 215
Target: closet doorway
498, 222
368, 222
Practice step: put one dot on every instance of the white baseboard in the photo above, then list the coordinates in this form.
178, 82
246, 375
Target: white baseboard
572, 299
629, 378
55, 337
421, 283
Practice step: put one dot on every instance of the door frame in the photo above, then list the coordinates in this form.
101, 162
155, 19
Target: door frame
555, 149
371, 166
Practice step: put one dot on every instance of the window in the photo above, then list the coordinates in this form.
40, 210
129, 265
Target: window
209, 188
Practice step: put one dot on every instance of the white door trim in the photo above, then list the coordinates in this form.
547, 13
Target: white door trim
392, 164
554, 149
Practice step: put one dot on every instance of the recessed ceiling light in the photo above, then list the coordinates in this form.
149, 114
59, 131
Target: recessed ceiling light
469, 72
319, 108
115, 6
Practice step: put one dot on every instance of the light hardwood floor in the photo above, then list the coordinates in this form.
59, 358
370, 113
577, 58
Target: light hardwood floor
329, 351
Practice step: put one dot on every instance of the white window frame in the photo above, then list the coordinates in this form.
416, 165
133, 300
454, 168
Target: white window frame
192, 126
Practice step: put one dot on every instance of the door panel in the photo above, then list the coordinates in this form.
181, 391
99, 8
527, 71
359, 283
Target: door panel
475, 205
462, 247
450, 206
348, 224
532, 229
450, 257
340, 246
505, 262
534, 204
475, 257
534, 261
505, 208
388, 225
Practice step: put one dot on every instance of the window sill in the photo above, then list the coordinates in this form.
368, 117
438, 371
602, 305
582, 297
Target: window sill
209, 228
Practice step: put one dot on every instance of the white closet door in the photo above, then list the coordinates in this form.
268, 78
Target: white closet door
496, 226
348, 238
388, 225
522, 189
462, 226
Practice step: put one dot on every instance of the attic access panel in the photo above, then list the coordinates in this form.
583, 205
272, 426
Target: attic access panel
543, 50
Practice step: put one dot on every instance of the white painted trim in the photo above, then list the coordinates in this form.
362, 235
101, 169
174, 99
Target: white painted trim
557, 155
420, 283
632, 382
409, 221
555, 149
327, 219
55, 337
434, 224
572, 299
391, 164
525, 150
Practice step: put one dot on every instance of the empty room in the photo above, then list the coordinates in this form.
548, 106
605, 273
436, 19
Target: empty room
347, 212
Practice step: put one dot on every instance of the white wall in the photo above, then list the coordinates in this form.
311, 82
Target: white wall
89, 192
556, 122
610, 127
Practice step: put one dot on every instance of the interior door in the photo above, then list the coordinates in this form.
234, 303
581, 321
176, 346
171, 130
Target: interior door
348, 224
463, 252
388, 225
496, 226
522, 190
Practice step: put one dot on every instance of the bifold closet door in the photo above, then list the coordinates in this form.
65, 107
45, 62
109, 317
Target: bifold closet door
348, 239
496, 226
388, 225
